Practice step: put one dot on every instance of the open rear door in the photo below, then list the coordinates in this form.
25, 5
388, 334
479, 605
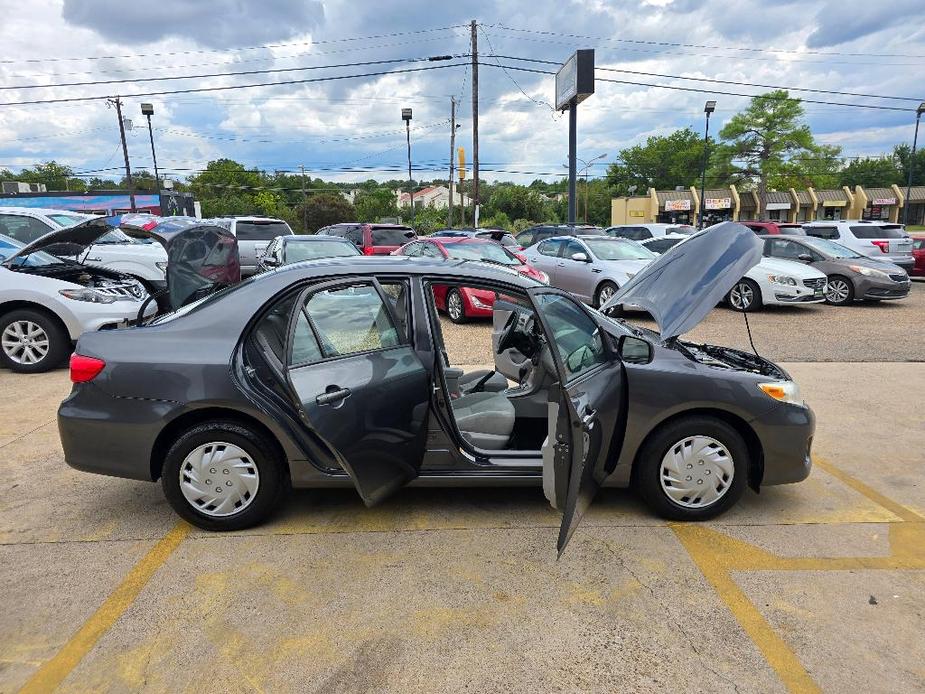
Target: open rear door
586, 415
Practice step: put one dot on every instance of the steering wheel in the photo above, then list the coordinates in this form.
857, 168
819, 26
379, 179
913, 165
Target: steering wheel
523, 339
506, 340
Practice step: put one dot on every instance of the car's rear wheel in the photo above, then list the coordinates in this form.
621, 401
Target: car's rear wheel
693, 468
223, 476
744, 296
839, 291
455, 308
32, 342
605, 293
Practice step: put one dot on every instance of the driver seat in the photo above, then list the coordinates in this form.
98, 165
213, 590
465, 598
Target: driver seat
486, 420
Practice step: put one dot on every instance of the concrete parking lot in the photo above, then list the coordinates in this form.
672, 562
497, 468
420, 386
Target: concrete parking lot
816, 586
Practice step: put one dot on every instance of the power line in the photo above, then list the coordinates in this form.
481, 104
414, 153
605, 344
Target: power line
231, 87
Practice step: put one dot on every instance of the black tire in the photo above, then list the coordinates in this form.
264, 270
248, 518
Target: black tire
747, 287
459, 316
273, 478
848, 285
55, 336
647, 475
605, 286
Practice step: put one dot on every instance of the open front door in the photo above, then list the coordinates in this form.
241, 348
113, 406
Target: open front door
586, 415
361, 388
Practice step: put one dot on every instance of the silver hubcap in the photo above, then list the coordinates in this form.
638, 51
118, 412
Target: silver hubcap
837, 291
696, 472
741, 296
454, 305
605, 295
219, 479
25, 342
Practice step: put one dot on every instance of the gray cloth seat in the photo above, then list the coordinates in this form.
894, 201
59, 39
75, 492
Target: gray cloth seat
486, 420
495, 384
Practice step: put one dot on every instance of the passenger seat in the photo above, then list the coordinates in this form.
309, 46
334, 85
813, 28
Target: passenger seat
486, 420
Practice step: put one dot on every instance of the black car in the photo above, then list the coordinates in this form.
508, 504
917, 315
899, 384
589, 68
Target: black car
284, 250
336, 374
537, 233
851, 276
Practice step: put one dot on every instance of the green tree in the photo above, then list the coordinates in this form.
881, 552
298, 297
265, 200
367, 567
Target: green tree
819, 168
901, 154
142, 180
322, 209
426, 219
872, 172
663, 162
514, 201
373, 205
758, 142
55, 176
499, 220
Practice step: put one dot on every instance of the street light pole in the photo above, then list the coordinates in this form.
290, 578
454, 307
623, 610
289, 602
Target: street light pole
147, 110
406, 116
708, 108
918, 116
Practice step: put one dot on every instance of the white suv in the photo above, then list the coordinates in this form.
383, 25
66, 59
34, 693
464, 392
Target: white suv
877, 240
114, 251
641, 232
254, 235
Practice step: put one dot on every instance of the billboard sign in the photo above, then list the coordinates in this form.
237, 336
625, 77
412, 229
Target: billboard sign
575, 79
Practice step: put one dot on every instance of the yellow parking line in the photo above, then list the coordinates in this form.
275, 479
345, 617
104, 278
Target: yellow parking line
697, 541
903, 512
53, 672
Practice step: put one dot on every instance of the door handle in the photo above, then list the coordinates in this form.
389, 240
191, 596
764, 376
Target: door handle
331, 395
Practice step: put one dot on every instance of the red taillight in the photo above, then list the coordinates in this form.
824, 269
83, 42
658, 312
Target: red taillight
884, 246
368, 251
85, 369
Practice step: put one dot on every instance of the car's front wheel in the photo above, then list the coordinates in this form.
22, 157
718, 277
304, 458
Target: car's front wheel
693, 468
455, 308
223, 476
32, 342
839, 291
744, 296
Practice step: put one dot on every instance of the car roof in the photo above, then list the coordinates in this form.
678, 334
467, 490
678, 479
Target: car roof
459, 239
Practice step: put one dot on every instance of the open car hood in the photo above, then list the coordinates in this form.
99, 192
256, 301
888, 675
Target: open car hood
681, 286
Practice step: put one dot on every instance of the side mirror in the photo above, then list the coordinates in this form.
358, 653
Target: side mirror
270, 261
581, 257
805, 258
635, 350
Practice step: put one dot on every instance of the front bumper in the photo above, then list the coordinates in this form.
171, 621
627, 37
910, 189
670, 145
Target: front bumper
788, 294
89, 317
876, 288
786, 436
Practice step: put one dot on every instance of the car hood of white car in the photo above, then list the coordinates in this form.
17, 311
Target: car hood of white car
780, 266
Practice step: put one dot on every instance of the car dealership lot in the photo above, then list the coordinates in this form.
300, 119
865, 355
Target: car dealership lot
816, 584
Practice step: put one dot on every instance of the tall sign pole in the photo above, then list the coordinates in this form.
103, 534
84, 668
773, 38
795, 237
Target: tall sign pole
475, 123
574, 84
406, 116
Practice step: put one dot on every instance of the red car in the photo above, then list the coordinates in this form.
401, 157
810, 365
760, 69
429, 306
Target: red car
463, 303
766, 227
371, 239
918, 252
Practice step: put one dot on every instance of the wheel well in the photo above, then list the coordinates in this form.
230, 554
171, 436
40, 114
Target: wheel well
755, 451
172, 431
8, 306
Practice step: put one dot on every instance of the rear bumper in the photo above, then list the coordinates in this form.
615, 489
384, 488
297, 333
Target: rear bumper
786, 436
108, 435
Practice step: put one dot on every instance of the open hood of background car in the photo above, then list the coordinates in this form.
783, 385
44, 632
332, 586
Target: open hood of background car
681, 286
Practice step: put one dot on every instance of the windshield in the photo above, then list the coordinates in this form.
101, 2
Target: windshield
489, 252
614, 249
10, 247
309, 250
836, 250
66, 220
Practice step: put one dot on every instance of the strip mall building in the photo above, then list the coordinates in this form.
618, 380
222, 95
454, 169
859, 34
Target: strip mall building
729, 204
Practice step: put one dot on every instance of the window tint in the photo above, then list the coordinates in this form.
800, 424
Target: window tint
412, 250
487, 250
354, 235
23, 229
918, 244
572, 247
309, 250
397, 293
877, 231
822, 232
614, 249
525, 238
661, 245
261, 231
392, 236
550, 248
786, 249
430, 250
577, 338
350, 320
304, 345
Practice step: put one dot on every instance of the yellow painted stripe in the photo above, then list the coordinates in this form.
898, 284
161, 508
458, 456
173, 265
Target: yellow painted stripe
53, 672
774, 649
907, 514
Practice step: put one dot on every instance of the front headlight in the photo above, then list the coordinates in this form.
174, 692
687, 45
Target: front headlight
161, 265
869, 271
84, 294
783, 391
782, 279
542, 277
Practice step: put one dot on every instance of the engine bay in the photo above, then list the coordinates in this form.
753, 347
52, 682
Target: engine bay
729, 358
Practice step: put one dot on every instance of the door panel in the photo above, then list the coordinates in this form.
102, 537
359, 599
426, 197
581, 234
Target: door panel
589, 412
362, 391
573, 275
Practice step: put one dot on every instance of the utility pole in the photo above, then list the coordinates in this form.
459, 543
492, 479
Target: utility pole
918, 116
406, 116
449, 219
475, 123
304, 201
117, 102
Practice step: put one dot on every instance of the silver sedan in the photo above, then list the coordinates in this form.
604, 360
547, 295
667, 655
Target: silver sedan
590, 267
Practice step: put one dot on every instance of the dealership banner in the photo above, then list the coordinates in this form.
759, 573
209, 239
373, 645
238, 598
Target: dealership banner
717, 203
677, 205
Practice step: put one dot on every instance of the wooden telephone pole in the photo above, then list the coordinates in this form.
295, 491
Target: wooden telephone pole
117, 102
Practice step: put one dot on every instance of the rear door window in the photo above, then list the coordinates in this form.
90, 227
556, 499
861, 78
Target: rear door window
525, 238
877, 231
392, 236
260, 230
550, 247
822, 232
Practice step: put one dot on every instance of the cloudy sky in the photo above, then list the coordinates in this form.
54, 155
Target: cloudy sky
351, 129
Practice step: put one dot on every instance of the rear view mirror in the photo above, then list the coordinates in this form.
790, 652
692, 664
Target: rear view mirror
635, 350
580, 257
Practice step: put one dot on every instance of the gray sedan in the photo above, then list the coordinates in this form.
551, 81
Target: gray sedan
592, 268
850, 275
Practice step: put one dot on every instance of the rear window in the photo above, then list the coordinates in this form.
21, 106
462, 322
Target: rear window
661, 245
261, 231
392, 236
877, 231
